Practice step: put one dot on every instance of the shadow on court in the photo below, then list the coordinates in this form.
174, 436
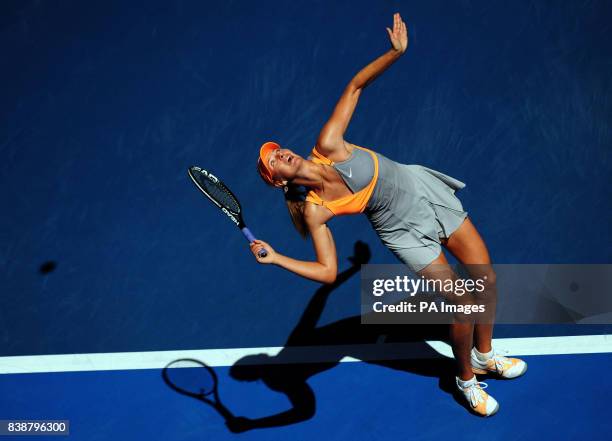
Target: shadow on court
311, 350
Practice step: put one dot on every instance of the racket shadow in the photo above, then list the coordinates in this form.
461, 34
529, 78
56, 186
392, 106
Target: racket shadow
195, 379
310, 350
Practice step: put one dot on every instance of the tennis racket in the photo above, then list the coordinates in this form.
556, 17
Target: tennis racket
222, 197
197, 380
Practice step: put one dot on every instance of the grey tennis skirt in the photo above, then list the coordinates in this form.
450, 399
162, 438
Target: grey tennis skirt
412, 209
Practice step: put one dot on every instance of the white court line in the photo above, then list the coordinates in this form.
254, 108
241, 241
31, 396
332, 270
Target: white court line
577, 344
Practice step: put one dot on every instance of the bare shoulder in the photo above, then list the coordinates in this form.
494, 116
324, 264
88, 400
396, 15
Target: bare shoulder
337, 152
316, 215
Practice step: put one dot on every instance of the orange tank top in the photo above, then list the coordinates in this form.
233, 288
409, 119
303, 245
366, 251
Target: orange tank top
349, 204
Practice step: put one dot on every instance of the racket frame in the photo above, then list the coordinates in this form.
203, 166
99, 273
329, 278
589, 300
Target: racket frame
236, 218
215, 402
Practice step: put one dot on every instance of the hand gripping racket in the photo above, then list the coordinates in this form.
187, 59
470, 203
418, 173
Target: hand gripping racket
223, 198
195, 379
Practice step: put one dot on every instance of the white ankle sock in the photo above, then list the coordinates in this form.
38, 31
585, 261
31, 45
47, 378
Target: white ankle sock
466, 383
483, 356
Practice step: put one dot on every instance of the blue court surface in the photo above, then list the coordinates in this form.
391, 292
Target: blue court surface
112, 264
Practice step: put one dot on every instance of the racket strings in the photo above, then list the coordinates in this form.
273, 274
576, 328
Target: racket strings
191, 377
226, 198
219, 192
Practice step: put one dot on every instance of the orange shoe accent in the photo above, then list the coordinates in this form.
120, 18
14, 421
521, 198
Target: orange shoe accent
505, 367
481, 403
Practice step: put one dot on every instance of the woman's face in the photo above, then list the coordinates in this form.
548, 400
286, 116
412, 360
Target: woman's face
284, 164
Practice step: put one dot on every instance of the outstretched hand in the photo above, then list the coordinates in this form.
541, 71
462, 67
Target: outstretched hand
399, 35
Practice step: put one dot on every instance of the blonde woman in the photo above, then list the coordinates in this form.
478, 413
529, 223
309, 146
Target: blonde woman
413, 209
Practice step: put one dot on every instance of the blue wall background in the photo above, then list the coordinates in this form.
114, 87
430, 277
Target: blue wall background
105, 104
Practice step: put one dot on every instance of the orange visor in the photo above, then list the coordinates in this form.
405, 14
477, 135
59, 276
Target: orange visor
263, 167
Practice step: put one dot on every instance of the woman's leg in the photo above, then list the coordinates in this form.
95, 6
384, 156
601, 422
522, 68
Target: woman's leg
462, 330
468, 247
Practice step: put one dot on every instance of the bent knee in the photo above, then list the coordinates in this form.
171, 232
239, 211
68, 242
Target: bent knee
490, 278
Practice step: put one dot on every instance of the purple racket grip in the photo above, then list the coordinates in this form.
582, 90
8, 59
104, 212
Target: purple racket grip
247, 233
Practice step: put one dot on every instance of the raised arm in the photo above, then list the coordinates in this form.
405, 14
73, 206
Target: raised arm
331, 138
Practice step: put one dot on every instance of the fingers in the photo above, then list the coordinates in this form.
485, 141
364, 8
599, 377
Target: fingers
256, 251
399, 35
258, 243
257, 246
397, 20
398, 25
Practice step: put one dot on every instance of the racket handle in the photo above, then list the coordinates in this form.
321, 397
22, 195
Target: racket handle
247, 233
226, 414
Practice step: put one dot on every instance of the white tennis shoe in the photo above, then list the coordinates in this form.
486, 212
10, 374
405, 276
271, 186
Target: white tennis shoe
480, 402
505, 367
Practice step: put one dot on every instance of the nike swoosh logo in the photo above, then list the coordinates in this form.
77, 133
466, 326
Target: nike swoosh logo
350, 173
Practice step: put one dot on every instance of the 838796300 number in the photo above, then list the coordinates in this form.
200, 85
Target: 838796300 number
34, 427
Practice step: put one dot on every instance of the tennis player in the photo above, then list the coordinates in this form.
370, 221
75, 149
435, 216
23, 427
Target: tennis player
413, 209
